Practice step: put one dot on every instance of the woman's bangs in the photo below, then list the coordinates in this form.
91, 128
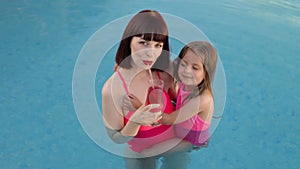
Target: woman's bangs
154, 37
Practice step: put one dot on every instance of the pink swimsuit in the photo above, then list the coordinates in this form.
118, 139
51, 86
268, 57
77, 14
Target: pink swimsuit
150, 135
195, 130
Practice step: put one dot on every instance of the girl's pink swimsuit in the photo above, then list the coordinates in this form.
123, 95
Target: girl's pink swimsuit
150, 135
195, 130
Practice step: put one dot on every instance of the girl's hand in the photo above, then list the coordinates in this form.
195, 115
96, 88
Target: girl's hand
135, 101
144, 117
131, 103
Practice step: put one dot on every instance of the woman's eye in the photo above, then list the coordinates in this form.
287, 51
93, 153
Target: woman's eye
159, 45
143, 43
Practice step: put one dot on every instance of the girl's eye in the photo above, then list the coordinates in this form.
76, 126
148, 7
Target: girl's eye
182, 64
196, 68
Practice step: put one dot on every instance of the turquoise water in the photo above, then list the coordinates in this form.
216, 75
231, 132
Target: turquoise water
258, 43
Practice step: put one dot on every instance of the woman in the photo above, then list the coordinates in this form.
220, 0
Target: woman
144, 46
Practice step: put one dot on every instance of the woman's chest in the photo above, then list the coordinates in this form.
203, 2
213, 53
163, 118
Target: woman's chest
139, 89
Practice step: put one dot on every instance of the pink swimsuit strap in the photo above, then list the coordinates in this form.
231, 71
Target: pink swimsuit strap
182, 95
123, 82
149, 135
157, 72
194, 130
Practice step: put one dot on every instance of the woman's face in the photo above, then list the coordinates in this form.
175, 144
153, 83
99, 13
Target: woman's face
144, 53
191, 71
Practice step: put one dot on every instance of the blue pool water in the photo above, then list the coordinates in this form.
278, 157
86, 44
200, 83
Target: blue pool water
258, 43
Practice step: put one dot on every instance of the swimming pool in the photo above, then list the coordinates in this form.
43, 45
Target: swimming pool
258, 44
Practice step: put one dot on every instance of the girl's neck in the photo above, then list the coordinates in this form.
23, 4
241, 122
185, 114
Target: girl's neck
188, 88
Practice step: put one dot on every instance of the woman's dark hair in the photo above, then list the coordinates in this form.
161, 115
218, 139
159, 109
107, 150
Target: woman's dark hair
149, 25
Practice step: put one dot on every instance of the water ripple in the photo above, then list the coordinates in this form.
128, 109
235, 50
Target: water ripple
287, 5
280, 11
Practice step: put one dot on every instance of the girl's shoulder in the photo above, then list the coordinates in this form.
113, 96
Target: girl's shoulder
206, 99
206, 95
206, 106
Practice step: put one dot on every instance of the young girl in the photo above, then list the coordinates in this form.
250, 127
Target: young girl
194, 71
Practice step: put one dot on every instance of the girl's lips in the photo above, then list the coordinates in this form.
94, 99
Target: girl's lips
146, 62
186, 76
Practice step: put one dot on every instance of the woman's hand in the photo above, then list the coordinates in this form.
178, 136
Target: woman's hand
144, 116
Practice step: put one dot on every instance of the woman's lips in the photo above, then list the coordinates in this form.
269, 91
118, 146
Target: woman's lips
147, 62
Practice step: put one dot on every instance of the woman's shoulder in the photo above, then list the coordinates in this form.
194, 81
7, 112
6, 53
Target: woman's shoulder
110, 83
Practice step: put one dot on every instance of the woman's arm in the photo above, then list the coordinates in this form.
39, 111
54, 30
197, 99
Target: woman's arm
114, 117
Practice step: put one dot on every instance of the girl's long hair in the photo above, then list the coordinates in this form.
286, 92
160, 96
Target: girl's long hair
209, 57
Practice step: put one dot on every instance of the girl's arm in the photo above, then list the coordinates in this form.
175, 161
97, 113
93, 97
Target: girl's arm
201, 105
173, 88
170, 84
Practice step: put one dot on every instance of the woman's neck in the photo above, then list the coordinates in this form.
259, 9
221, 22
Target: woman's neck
134, 72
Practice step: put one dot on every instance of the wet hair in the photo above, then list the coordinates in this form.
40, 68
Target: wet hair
209, 57
149, 25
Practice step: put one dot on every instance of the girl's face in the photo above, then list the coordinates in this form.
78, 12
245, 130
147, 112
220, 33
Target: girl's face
144, 53
191, 71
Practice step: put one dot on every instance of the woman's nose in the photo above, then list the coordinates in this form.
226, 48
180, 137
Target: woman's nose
150, 52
